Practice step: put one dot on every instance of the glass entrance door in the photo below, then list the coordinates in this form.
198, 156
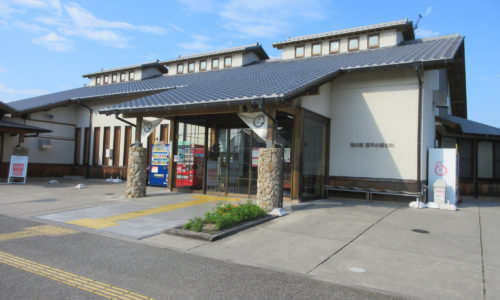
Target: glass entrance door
314, 164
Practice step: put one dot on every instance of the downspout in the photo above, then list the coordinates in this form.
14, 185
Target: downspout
123, 120
419, 132
90, 136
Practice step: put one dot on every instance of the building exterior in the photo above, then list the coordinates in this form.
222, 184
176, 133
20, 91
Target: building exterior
358, 107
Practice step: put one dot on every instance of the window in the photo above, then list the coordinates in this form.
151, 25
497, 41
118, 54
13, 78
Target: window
191, 67
373, 41
334, 46
485, 159
122, 77
131, 75
180, 68
106, 79
203, 65
228, 61
114, 78
215, 63
316, 49
299, 51
98, 80
353, 44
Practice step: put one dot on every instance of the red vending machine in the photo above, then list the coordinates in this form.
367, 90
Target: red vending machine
190, 166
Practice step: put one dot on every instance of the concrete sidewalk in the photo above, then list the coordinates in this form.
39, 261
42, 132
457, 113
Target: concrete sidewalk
373, 245
451, 255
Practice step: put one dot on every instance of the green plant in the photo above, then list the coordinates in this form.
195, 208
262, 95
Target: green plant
226, 215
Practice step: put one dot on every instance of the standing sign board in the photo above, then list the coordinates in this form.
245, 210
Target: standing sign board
18, 169
443, 165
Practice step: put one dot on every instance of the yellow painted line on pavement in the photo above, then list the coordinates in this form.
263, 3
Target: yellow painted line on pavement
110, 221
36, 231
80, 282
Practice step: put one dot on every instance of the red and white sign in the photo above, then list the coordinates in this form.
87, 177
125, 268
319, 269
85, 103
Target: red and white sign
18, 169
443, 164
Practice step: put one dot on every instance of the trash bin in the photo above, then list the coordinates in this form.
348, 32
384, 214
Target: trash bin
439, 188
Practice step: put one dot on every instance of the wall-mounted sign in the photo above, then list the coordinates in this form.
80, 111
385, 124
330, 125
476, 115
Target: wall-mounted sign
287, 154
255, 157
372, 145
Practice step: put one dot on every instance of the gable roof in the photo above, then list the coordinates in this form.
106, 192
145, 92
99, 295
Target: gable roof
256, 48
471, 127
404, 25
282, 80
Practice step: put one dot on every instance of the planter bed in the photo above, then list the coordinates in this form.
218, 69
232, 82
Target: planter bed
216, 235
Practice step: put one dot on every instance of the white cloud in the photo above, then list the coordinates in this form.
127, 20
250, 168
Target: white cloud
28, 26
493, 78
428, 11
2, 70
199, 43
425, 33
11, 6
199, 5
28, 92
266, 18
54, 42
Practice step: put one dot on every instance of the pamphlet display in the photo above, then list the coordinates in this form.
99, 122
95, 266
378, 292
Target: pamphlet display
158, 173
18, 169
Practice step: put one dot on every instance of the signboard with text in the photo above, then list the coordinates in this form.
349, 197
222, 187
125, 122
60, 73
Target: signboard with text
18, 169
443, 165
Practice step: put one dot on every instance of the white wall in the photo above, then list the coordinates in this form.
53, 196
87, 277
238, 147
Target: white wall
319, 104
374, 107
237, 60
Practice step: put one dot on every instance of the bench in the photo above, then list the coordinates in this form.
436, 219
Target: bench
369, 192
340, 188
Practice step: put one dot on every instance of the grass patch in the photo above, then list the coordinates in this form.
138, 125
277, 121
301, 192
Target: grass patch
225, 215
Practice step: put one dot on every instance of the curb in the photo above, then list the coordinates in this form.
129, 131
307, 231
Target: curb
219, 234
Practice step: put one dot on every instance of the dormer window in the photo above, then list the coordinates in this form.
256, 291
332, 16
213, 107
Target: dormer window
131, 75
180, 68
123, 77
316, 49
98, 80
299, 51
353, 44
228, 61
106, 79
215, 63
203, 65
191, 67
334, 46
373, 41
114, 78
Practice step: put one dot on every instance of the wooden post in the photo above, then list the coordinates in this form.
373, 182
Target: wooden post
298, 124
21, 139
173, 150
138, 131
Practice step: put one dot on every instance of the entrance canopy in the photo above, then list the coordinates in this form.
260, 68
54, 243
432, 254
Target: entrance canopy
16, 128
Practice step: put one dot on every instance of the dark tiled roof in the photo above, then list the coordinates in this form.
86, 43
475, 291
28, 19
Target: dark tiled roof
93, 92
7, 126
283, 79
472, 127
380, 26
6, 108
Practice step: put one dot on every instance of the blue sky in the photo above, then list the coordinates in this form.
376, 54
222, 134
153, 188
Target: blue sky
46, 45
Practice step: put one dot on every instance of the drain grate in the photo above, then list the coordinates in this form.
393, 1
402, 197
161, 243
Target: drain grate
420, 231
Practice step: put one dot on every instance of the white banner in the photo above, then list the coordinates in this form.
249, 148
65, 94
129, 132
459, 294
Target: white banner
257, 121
149, 126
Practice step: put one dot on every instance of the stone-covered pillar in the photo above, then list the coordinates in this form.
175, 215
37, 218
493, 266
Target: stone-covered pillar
269, 192
136, 173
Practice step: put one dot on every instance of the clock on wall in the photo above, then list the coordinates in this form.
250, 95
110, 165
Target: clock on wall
258, 121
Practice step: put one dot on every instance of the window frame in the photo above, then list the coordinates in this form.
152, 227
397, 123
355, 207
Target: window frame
330, 46
215, 67
131, 76
349, 44
123, 77
368, 41
320, 49
303, 51
230, 57
189, 67
181, 67
114, 78
98, 80
203, 61
106, 79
